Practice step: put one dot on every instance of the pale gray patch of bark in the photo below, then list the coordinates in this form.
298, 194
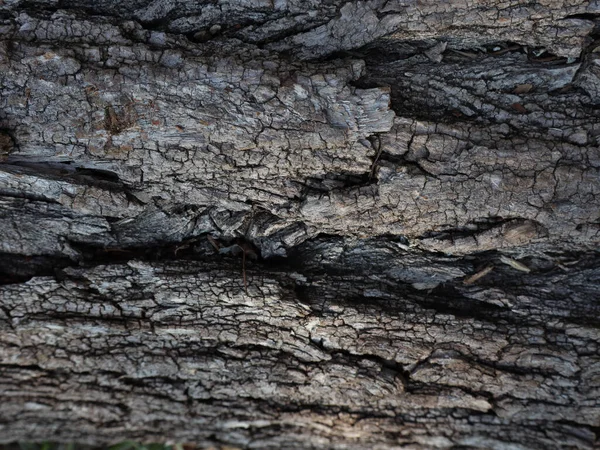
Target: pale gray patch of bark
251, 129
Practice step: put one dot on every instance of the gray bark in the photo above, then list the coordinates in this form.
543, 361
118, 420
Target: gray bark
290, 224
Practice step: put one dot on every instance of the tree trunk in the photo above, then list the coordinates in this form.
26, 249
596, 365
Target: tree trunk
300, 224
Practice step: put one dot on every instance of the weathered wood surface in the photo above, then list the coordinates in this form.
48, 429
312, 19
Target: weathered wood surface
403, 204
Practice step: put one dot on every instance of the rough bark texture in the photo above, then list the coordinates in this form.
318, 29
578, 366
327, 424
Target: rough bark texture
300, 224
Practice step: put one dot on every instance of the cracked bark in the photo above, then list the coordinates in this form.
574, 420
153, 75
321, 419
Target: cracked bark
413, 186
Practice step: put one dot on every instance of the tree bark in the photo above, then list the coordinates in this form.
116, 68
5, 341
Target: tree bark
290, 224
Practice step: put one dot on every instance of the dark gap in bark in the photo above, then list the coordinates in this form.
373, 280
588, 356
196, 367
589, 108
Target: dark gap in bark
68, 171
27, 196
45, 8
303, 294
385, 52
165, 251
90, 9
594, 224
19, 268
7, 143
584, 16
98, 174
49, 445
5, 15
297, 28
387, 366
230, 26
413, 166
313, 256
446, 299
371, 55
404, 106
472, 228
334, 181
381, 71
302, 257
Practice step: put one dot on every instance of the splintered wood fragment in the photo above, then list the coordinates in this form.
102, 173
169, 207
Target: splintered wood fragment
249, 251
213, 242
514, 264
523, 88
184, 245
6, 146
377, 156
244, 271
473, 278
435, 53
519, 108
506, 50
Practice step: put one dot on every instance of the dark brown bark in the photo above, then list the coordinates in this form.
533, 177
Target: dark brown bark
284, 224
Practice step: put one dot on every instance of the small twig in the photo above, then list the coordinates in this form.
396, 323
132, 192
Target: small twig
506, 50
547, 58
514, 264
213, 242
180, 247
244, 269
377, 155
184, 245
473, 278
465, 54
247, 250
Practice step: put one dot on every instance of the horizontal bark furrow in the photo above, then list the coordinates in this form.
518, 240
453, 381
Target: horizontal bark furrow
316, 29
194, 339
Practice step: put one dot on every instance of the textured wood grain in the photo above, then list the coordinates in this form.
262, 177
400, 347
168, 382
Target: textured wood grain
411, 191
